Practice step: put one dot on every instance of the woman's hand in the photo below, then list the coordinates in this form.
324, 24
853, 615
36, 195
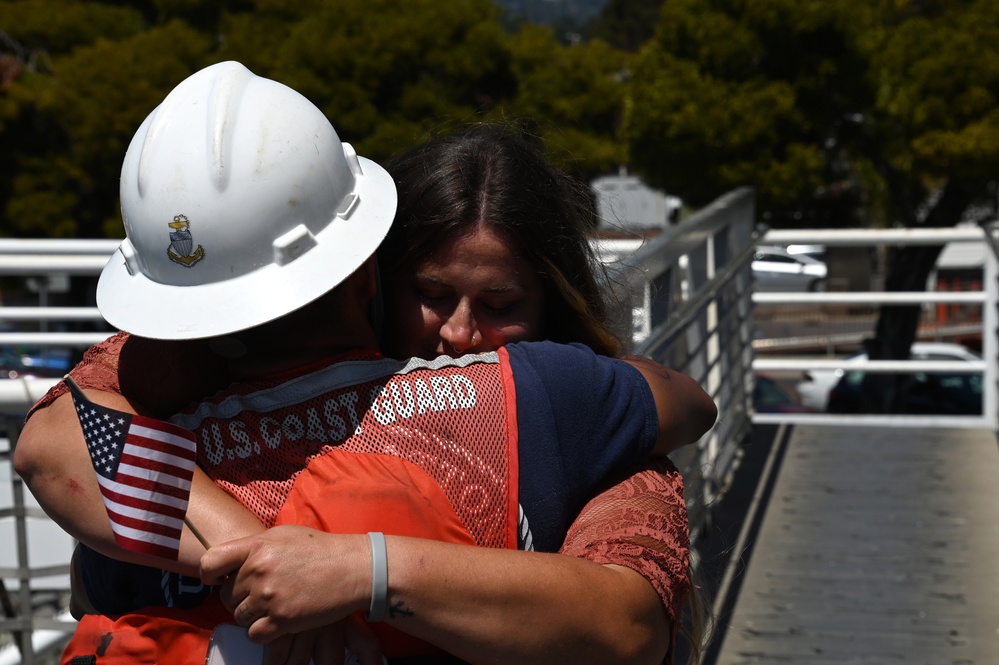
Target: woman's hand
290, 579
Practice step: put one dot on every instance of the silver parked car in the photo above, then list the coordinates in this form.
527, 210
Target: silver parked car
776, 269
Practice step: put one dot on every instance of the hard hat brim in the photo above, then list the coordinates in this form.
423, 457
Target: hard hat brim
138, 305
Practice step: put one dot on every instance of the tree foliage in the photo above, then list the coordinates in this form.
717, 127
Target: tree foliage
77, 78
627, 24
575, 94
835, 111
839, 113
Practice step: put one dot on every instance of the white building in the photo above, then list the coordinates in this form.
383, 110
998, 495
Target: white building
625, 203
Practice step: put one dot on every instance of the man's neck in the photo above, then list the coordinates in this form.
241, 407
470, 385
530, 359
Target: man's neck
330, 326
294, 351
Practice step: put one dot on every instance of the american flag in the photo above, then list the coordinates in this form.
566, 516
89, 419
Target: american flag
144, 467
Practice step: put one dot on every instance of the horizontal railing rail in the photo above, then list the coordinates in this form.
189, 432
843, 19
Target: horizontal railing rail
873, 366
984, 298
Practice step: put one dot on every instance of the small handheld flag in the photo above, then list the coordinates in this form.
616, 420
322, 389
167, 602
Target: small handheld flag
144, 467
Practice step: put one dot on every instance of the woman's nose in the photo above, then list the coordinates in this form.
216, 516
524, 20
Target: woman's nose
459, 330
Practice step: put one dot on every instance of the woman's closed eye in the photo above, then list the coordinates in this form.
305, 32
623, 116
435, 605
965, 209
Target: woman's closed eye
500, 309
433, 298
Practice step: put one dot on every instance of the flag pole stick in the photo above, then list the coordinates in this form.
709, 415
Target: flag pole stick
197, 533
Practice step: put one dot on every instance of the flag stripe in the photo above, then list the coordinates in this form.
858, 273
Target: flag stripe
165, 431
150, 523
145, 547
140, 509
143, 473
160, 452
130, 506
144, 477
139, 534
140, 485
131, 495
144, 487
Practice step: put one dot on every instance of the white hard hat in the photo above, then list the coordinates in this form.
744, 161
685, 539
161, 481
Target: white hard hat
240, 205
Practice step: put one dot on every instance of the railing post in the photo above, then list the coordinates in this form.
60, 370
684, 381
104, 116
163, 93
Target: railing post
990, 330
23, 621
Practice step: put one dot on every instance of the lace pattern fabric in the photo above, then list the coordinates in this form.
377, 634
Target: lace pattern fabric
641, 523
97, 370
158, 378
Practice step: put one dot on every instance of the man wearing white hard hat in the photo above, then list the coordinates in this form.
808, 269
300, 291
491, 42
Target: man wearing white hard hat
251, 226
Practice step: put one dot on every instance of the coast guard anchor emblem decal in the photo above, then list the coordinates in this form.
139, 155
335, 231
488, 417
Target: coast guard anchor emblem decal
181, 243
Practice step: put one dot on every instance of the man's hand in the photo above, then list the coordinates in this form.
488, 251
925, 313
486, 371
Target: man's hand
290, 579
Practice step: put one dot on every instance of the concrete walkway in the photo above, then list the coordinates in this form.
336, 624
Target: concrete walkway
878, 545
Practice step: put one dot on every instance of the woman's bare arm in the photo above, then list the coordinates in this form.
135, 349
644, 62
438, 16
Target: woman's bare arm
52, 458
686, 411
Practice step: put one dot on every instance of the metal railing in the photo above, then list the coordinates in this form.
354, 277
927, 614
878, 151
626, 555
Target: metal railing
684, 298
34, 560
986, 298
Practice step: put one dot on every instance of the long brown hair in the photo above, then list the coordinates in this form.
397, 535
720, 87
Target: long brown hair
488, 174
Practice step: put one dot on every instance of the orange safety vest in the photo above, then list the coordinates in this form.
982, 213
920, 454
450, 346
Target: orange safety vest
422, 449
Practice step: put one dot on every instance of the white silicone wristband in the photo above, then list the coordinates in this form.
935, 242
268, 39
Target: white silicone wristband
379, 577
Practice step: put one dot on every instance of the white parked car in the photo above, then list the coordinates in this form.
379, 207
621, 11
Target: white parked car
776, 269
814, 389
815, 251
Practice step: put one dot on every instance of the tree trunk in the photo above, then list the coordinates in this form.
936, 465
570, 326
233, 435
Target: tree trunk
909, 269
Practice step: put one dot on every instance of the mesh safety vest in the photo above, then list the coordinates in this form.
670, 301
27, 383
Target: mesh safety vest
417, 448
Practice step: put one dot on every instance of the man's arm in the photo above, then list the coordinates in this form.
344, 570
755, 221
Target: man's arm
614, 594
482, 605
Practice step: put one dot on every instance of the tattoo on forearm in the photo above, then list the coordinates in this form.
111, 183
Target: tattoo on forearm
400, 611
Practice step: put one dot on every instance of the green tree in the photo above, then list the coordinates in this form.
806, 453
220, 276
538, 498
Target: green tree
77, 78
88, 73
839, 113
574, 95
388, 74
731, 93
627, 24
57, 27
384, 72
75, 122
